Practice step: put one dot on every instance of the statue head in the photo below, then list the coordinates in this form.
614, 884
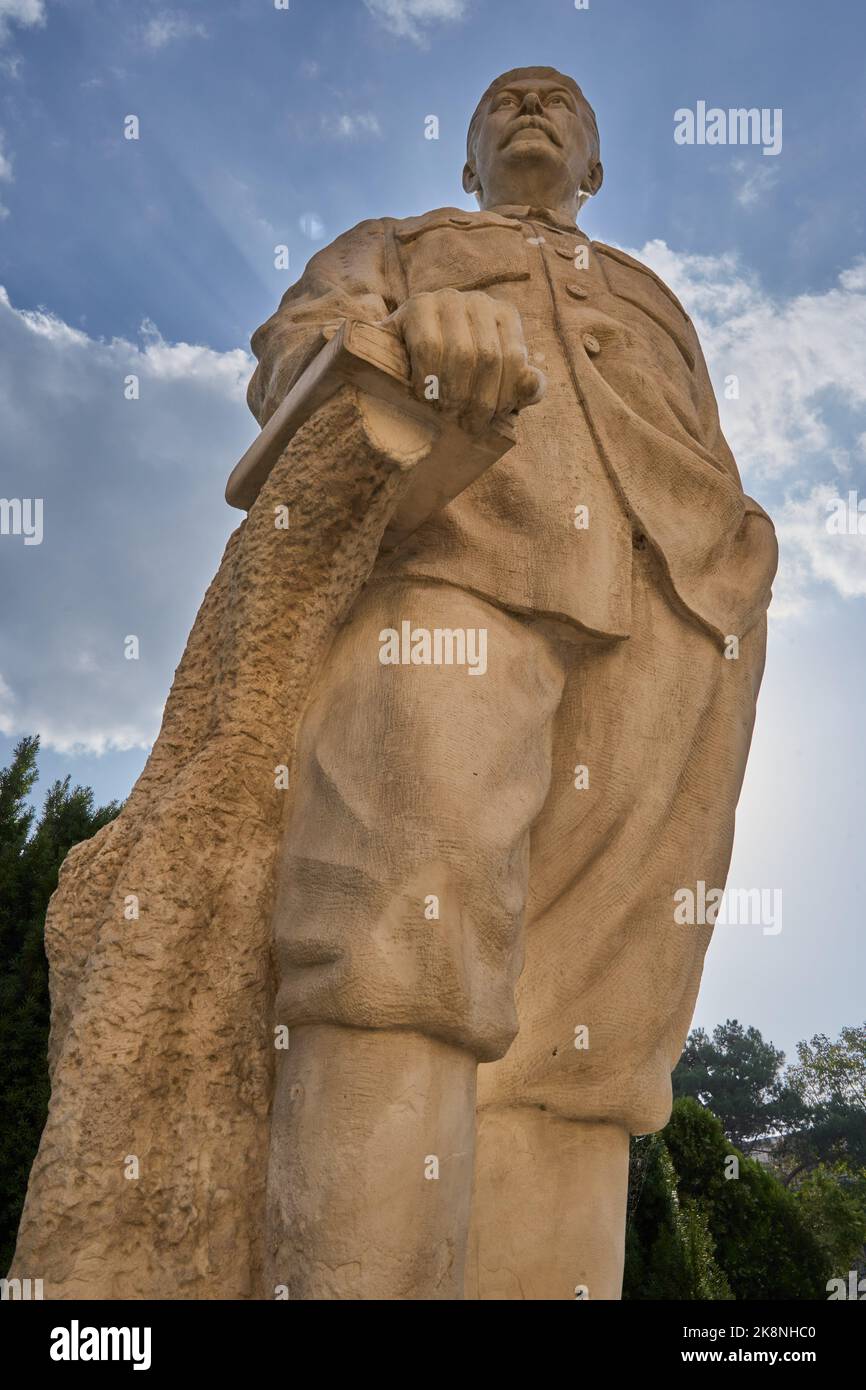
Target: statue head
533, 140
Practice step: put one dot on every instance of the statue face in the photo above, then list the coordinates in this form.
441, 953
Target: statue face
535, 134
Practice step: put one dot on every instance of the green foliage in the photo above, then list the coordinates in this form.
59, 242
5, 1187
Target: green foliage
833, 1206
669, 1248
29, 866
833, 1070
762, 1242
697, 1234
16, 783
830, 1078
709, 1280
737, 1075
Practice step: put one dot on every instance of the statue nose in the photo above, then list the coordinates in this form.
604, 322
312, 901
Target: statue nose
531, 102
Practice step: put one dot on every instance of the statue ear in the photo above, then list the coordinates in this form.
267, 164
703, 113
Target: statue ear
470, 179
594, 179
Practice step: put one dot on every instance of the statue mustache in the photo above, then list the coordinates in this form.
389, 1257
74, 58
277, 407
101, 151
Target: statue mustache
523, 122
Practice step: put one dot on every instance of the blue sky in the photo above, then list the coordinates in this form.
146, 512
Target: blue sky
262, 126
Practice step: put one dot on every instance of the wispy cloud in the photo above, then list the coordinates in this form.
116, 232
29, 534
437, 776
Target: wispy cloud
23, 12
409, 19
5, 172
796, 359
796, 425
754, 183
134, 520
5, 162
170, 26
351, 125
817, 552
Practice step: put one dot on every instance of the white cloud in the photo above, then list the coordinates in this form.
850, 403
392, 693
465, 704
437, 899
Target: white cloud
797, 359
133, 516
24, 12
823, 554
350, 126
800, 368
5, 162
169, 26
5, 172
754, 184
312, 226
408, 18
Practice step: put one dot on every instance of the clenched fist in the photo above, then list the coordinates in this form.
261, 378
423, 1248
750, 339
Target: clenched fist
467, 355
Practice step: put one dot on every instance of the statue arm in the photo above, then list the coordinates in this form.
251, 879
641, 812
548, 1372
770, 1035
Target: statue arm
472, 344
346, 280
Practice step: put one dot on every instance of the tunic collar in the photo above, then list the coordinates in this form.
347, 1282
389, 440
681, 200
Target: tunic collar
546, 215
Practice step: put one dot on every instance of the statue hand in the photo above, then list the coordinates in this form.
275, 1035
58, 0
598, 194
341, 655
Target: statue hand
467, 355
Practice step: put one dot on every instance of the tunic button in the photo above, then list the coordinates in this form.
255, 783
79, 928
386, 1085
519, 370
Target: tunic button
576, 291
592, 345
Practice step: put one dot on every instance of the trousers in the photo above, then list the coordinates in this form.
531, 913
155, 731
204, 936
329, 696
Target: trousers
486, 848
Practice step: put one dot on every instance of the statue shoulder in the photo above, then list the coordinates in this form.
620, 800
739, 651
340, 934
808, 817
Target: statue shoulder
408, 228
364, 236
358, 254
635, 268
375, 229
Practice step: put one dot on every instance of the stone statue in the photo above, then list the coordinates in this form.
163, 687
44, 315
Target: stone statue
468, 703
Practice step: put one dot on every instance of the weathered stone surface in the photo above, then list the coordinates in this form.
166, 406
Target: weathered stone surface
162, 1044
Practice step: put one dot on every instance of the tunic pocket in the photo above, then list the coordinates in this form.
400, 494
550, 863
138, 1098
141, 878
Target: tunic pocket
461, 252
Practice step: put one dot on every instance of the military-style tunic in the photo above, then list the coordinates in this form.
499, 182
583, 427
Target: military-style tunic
628, 427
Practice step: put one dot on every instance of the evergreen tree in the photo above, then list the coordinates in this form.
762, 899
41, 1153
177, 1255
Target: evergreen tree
670, 1253
762, 1240
704, 1228
833, 1204
738, 1075
830, 1078
16, 818
29, 867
